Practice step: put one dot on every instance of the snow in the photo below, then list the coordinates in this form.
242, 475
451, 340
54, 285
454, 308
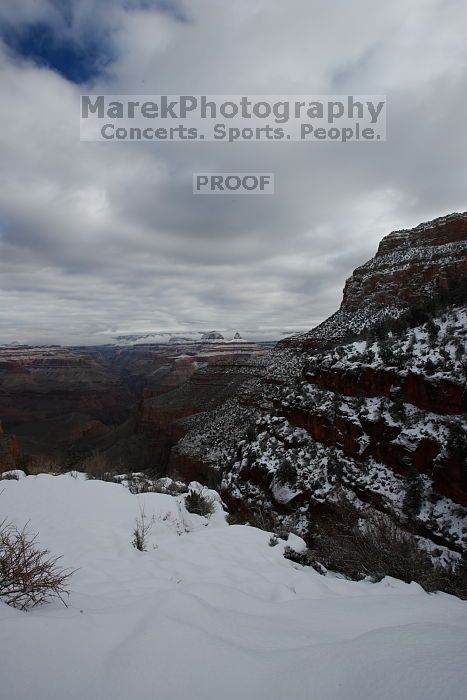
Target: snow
282, 492
12, 474
181, 337
210, 611
414, 348
296, 543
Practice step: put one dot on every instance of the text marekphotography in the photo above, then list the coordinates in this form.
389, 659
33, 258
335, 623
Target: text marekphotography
233, 118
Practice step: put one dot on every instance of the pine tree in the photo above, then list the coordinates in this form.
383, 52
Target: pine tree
457, 441
414, 493
432, 329
430, 367
397, 410
287, 473
387, 354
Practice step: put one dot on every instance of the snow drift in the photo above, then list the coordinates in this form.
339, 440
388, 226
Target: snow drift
210, 611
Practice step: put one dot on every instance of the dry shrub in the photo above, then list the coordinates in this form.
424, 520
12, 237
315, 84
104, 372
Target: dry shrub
200, 503
374, 546
39, 464
97, 465
142, 530
29, 575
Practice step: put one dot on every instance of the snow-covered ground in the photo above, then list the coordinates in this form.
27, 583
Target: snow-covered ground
210, 611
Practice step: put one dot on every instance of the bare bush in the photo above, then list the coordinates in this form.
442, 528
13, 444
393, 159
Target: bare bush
38, 464
142, 530
29, 575
263, 517
361, 545
375, 548
255, 515
200, 503
97, 465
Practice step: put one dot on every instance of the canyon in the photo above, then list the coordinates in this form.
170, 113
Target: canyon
371, 396
358, 405
63, 403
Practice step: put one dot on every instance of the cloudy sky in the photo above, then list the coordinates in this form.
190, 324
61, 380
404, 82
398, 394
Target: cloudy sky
107, 238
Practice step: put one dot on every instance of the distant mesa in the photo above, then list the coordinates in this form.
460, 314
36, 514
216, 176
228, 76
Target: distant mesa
212, 335
180, 339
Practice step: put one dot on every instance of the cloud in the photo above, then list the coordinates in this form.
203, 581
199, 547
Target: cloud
98, 238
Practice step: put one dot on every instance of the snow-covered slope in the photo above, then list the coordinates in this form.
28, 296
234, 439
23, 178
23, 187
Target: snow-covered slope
362, 417
211, 611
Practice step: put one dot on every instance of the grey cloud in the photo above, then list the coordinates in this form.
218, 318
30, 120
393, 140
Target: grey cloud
102, 238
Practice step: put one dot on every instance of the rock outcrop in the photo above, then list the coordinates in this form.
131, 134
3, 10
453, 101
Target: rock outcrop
408, 269
212, 335
372, 395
